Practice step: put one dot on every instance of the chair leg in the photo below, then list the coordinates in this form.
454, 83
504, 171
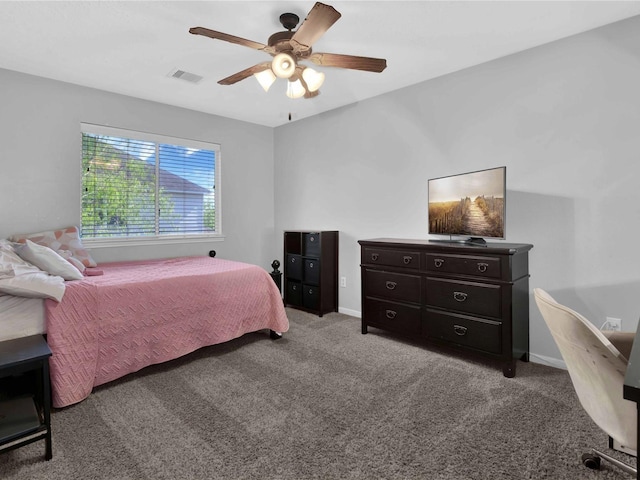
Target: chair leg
621, 465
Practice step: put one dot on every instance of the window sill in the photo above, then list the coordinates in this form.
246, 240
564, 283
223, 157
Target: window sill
96, 243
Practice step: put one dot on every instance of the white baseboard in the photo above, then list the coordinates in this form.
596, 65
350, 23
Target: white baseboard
549, 361
348, 311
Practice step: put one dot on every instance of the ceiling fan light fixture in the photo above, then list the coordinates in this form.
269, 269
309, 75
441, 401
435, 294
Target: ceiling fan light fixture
283, 65
313, 79
295, 89
265, 78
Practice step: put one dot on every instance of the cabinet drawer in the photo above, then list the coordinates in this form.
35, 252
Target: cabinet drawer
310, 296
311, 271
393, 286
311, 242
485, 335
392, 316
294, 267
391, 258
293, 294
465, 265
476, 298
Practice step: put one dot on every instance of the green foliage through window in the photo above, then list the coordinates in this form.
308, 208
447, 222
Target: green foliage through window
142, 188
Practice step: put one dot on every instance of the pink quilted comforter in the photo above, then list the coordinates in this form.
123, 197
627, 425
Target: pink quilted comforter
142, 313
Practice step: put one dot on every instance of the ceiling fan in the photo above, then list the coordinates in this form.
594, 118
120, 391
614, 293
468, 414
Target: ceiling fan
288, 48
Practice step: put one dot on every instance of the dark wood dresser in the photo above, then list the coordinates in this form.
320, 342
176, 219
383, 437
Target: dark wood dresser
471, 298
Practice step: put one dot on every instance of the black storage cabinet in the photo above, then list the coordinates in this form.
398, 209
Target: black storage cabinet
311, 271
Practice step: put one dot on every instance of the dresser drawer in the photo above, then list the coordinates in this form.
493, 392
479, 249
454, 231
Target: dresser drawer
391, 258
489, 267
476, 298
485, 335
393, 286
392, 316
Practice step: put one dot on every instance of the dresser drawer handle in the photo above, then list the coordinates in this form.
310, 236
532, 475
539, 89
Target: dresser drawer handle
460, 330
407, 259
459, 296
391, 285
391, 314
293, 259
310, 264
311, 291
438, 262
374, 256
483, 267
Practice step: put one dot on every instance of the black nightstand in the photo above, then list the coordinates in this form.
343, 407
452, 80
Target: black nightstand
25, 393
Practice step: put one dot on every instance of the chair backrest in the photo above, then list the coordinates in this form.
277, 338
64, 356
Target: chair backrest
596, 369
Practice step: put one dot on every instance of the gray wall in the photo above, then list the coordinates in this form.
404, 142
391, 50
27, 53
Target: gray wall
40, 163
564, 118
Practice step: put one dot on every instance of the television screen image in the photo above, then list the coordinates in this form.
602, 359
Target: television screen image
470, 204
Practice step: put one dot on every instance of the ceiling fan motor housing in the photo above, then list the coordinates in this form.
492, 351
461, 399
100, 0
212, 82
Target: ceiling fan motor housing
280, 41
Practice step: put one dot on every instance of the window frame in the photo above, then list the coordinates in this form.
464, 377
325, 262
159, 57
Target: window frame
216, 236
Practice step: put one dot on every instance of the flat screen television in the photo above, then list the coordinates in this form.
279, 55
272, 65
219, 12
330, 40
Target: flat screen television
471, 205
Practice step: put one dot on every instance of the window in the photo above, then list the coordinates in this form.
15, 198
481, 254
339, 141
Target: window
144, 186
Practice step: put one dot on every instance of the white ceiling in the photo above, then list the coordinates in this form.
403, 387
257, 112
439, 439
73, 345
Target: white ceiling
131, 47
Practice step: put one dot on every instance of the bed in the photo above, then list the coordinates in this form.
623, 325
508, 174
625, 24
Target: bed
141, 313
106, 322
21, 317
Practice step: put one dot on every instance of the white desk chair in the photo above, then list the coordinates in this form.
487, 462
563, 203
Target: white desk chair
597, 368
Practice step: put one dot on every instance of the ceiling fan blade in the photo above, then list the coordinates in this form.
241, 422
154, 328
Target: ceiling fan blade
353, 62
247, 72
227, 38
318, 21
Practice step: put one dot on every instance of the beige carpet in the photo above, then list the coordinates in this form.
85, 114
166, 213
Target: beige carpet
324, 402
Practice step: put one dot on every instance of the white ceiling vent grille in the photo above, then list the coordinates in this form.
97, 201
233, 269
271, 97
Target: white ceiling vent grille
186, 76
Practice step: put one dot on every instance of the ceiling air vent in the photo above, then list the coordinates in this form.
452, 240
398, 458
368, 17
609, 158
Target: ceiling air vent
182, 75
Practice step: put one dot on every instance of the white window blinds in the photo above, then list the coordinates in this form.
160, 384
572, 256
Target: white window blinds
142, 185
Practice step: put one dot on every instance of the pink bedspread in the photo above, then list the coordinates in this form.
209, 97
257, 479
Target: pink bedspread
142, 313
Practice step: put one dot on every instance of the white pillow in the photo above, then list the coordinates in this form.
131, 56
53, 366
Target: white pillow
46, 259
18, 277
34, 285
68, 256
11, 264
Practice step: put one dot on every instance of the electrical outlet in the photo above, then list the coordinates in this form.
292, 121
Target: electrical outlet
613, 324
343, 282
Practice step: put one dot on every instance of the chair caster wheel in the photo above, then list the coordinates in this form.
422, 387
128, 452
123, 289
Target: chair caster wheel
591, 461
